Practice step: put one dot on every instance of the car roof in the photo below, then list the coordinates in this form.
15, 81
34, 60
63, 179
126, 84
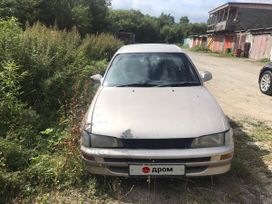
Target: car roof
150, 48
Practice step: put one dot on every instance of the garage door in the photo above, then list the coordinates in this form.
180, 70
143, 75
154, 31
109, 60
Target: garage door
259, 46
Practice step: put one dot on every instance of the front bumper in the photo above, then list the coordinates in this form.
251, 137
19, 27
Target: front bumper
198, 162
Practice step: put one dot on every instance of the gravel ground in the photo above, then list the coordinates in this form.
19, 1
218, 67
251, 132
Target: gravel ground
235, 86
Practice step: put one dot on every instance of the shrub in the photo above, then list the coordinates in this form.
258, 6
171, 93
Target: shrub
44, 91
184, 46
10, 34
49, 56
57, 60
14, 157
200, 48
99, 47
18, 122
55, 170
265, 60
10, 185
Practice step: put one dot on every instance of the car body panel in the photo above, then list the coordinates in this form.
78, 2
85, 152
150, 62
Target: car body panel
150, 113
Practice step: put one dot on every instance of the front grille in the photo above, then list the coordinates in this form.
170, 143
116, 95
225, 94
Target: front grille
184, 143
162, 161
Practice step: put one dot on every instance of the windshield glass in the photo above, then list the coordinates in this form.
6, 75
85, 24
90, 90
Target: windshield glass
151, 69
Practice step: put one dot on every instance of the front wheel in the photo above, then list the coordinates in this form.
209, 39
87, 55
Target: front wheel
266, 83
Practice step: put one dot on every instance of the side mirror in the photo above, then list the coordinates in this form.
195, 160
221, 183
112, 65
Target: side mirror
97, 78
206, 76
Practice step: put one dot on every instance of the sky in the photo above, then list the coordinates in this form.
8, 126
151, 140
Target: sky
196, 10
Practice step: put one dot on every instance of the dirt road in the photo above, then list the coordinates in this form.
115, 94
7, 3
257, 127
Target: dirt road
235, 86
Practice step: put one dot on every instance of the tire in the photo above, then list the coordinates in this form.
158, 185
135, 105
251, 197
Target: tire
265, 83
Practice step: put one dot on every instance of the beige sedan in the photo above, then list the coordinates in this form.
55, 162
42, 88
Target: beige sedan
152, 116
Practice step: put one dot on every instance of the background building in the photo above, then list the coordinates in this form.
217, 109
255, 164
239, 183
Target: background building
242, 28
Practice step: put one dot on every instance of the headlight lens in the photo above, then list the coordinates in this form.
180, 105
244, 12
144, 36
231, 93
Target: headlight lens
85, 139
216, 140
98, 141
229, 138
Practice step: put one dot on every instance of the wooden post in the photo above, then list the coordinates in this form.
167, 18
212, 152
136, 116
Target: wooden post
228, 13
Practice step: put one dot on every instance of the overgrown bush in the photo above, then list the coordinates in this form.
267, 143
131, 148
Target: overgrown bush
10, 34
100, 47
14, 157
55, 171
18, 122
44, 92
10, 185
49, 55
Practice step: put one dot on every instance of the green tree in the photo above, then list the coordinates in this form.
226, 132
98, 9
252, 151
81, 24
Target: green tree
88, 15
166, 19
184, 20
145, 27
98, 10
56, 12
148, 30
23, 10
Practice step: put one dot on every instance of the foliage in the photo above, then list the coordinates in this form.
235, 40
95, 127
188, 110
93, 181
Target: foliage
150, 29
10, 185
200, 48
49, 55
14, 157
18, 122
44, 91
9, 39
166, 20
264, 60
88, 15
184, 20
100, 47
94, 16
145, 27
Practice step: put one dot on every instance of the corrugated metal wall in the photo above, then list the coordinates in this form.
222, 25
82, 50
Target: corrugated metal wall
261, 46
218, 44
268, 47
194, 42
228, 42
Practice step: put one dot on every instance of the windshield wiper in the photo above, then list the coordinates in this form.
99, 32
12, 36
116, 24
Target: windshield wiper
138, 84
180, 84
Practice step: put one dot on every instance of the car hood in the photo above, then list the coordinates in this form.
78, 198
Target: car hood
149, 113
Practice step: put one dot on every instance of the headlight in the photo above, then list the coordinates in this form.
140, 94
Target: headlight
98, 141
216, 140
229, 138
85, 139
85, 129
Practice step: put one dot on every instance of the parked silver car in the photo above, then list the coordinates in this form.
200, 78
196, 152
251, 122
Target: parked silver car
152, 116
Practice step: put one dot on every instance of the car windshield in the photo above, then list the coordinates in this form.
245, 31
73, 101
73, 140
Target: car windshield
151, 69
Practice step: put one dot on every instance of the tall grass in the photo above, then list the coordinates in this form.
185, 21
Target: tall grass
44, 91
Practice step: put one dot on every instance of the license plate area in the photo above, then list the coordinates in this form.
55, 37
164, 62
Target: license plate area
156, 170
